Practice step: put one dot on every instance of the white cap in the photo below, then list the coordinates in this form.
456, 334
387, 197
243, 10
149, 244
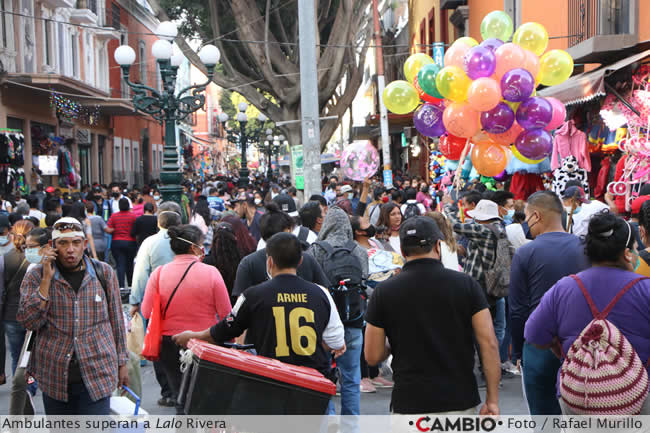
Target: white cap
485, 210
346, 188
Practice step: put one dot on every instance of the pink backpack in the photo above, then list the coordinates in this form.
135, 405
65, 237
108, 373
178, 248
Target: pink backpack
602, 373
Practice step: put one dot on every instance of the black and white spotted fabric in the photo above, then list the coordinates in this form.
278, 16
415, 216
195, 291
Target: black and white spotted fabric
570, 170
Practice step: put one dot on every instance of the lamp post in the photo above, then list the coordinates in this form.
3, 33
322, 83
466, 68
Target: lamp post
166, 105
242, 137
271, 147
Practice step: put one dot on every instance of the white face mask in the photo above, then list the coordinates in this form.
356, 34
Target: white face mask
258, 201
350, 195
156, 197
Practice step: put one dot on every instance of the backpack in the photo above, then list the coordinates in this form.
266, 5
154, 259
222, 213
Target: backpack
497, 277
412, 209
343, 266
602, 373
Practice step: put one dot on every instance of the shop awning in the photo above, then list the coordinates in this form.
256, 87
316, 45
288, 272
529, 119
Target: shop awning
589, 85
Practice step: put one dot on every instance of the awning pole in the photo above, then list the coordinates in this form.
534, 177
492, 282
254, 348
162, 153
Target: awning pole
622, 99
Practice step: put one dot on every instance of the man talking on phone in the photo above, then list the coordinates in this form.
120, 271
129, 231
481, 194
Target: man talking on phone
73, 302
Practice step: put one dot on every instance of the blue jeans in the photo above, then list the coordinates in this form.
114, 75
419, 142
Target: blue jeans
79, 403
539, 373
507, 338
349, 365
124, 253
16, 335
499, 320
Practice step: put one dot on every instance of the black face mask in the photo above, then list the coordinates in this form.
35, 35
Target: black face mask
371, 231
116, 194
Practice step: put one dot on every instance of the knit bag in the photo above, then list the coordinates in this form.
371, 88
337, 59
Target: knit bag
602, 373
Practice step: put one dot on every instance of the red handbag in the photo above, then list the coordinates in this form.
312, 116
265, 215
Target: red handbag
153, 337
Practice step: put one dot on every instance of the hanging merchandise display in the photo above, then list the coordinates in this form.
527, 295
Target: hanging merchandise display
12, 174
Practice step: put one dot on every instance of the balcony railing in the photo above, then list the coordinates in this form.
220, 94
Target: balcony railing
589, 18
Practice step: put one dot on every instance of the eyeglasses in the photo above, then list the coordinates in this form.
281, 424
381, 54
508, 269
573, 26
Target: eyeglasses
68, 226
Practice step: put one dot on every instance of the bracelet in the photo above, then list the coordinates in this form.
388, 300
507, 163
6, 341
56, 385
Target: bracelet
40, 295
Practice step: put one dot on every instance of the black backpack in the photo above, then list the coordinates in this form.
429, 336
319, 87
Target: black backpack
345, 274
411, 210
303, 234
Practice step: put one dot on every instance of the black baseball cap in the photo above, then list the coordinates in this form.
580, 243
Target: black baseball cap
419, 231
286, 204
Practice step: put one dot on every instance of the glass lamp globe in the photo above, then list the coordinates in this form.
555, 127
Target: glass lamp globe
162, 50
167, 30
124, 55
241, 117
269, 131
262, 118
209, 55
177, 58
242, 106
223, 117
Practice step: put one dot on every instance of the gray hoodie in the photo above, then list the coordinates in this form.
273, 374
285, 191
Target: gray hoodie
337, 231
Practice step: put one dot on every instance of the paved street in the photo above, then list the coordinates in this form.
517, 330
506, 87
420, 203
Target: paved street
511, 398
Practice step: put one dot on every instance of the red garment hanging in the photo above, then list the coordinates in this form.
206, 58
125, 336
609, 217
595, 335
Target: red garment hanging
603, 174
523, 185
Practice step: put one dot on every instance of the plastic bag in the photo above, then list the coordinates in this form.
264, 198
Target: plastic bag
135, 336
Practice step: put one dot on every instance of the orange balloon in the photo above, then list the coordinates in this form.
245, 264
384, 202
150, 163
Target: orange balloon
489, 159
455, 55
461, 120
531, 62
483, 94
508, 137
509, 56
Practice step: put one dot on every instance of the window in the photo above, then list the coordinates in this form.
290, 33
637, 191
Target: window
61, 32
444, 25
75, 54
423, 37
89, 49
136, 156
115, 16
47, 37
432, 31
117, 154
101, 143
142, 54
127, 156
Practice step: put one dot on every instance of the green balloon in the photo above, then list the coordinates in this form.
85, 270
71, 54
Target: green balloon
427, 80
497, 24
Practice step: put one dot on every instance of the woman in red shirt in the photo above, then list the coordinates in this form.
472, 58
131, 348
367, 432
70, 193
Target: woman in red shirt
123, 245
201, 298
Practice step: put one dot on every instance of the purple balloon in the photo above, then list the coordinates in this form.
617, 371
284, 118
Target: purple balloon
480, 62
492, 44
535, 144
517, 85
498, 120
534, 113
501, 177
428, 120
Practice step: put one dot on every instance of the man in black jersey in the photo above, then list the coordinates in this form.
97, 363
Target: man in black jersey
287, 318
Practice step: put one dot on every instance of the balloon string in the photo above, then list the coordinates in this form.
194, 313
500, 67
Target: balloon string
461, 162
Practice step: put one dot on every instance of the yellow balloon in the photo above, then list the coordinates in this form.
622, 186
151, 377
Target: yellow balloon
467, 40
453, 83
413, 64
555, 67
400, 97
532, 36
522, 158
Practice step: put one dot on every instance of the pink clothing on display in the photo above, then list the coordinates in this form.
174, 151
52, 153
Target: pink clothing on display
570, 141
200, 301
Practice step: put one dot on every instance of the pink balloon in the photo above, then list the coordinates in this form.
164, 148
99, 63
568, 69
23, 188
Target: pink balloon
509, 56
455, 55
461, 120
531, 63
559, 114
483, 94
508, 137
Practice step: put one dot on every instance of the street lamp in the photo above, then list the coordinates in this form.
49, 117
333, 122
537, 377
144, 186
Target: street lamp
243, 137
165, 105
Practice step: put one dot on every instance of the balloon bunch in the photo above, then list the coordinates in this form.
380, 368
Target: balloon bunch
436, 166
488, 86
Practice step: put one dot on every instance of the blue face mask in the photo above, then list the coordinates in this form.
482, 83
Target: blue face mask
32, 255
4, 240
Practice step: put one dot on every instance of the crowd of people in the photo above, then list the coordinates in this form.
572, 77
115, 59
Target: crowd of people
432, 293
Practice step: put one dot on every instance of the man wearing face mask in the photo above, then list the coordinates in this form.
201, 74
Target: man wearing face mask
330, 192
343, 198
506, 202
580, 210
116, 195
5, 237
536, 267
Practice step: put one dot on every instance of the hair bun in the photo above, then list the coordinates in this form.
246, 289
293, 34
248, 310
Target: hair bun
174, 232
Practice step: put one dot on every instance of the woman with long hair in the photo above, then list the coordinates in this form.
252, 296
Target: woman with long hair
448, 247
571, 304
200, 298
15, 267
225, 255
202, 218
390, 219
245, 241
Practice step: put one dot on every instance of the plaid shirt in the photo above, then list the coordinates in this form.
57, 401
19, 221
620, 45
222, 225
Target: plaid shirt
482, 247
81, 323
